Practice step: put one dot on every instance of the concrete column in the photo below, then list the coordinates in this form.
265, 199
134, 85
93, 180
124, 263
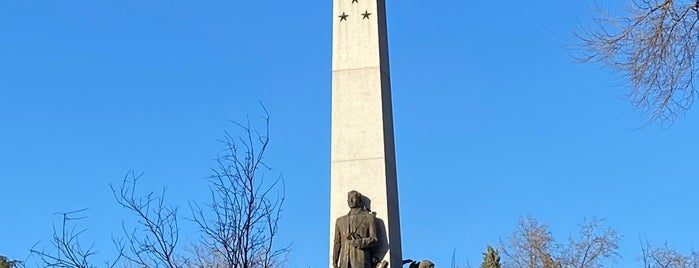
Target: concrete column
363, 154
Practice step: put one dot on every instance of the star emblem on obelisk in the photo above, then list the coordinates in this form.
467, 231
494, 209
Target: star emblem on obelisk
355, 1
343, 16
366, 15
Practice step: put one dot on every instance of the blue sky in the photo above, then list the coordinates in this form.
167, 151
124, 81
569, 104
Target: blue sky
494, 120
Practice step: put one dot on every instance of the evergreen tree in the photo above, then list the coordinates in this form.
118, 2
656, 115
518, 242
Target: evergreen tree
6, 263
491, 259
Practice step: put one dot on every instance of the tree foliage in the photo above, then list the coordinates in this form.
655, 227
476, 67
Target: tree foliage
491, 258
7, 263
654, 46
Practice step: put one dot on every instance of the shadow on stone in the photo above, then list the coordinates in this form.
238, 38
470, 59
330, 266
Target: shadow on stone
381, 248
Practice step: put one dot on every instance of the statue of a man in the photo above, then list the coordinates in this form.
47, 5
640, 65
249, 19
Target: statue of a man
355, 234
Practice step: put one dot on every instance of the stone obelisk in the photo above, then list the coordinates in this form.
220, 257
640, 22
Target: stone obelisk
363, 154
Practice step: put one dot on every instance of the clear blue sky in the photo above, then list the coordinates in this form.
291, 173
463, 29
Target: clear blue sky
493, 119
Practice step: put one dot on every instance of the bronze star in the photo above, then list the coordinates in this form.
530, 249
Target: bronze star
355, 1
343, 16
366, 15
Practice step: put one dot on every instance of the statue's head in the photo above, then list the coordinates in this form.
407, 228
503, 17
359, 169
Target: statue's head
426, 264
354, 199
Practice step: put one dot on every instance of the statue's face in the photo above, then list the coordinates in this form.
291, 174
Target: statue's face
353, 199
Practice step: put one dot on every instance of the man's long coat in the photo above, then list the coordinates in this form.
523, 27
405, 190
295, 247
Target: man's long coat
355, 234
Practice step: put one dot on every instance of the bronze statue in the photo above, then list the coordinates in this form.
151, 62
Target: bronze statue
419, 264
426, 264
355, 235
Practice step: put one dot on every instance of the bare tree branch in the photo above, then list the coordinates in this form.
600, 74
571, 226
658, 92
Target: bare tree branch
654, 47
69, 252
153, 243
238, 227
593, 245
666, 256
532, 245
245, 208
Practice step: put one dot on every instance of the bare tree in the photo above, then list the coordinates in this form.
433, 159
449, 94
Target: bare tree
241, 222
593, 245
532, 245
151, 244
154, 241
68, 250
654, 47
238, 227
666, 256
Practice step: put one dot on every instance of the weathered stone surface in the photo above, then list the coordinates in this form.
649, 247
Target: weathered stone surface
363, 154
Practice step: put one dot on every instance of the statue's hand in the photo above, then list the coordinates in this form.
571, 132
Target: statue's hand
356, 243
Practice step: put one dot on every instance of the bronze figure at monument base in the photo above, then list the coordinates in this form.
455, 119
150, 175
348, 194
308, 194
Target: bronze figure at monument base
355, 235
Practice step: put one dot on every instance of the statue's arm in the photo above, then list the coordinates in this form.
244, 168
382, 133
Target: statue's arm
336, 245
372, 240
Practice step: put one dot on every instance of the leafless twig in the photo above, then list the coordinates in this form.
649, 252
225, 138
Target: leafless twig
654, 47
153, 243
69, 252
242, 219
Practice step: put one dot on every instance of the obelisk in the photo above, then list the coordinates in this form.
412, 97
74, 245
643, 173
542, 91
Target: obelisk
363, 150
